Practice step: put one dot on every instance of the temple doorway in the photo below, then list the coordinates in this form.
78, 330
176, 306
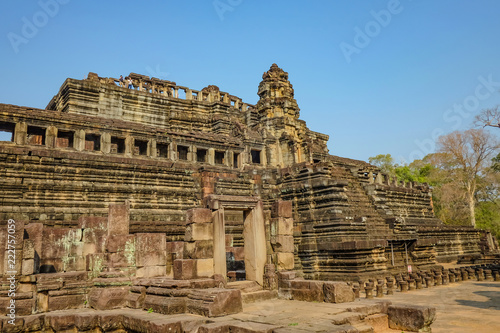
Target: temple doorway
249, 262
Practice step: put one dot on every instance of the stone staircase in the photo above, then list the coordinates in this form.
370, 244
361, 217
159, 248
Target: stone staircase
251, 291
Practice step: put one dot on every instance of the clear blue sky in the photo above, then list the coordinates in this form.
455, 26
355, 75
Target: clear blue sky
405, 72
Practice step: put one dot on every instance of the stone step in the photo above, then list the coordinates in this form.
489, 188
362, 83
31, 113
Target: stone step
244, 286
258, 296
364, 328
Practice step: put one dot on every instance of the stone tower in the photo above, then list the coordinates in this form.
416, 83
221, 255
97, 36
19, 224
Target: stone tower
279, 118
276, 95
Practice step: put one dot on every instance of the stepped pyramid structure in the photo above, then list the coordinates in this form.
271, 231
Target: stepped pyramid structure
164, 181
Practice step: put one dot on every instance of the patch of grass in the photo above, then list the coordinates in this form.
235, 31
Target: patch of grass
150, 310
293, 324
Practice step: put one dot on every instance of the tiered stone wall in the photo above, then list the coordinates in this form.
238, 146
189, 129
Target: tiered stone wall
100, 143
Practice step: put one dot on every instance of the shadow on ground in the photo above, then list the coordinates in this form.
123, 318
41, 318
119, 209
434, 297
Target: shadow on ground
492, 302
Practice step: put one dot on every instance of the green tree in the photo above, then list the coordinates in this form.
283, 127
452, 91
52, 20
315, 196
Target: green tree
385, 163
465, 156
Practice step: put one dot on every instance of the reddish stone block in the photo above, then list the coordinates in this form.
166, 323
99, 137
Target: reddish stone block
215, 302
93, 222
136, 300
150, 250
60, 321
118, 219
117, 243
66, 302
412, 318
203, 283
199, 231
116, 260
35, 234
282, 243
145, 242
338, 292
28, 249
165, 305
203, 249
150, 271
108, 298
239, 253
85, 322
94, 262
110, 322
34, 323
28, 267
281, 209
281, 226
175, 250
184, 269
198, 215
310, 291
8, 328
61, 242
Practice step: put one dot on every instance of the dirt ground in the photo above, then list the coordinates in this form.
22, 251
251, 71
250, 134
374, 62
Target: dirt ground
463, 307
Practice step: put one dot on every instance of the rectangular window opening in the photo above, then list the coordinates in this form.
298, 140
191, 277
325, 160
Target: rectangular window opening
140, 147
64, 139
182, 153
162, 150
255, 156
236, 157
219, 157
92, 142
117, 145
7, 131
36, 135
201, 155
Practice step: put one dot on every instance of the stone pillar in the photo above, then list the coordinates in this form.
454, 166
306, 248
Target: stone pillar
211, 156
199, 241
380, 288
50, 136
79, 143
263, 156
172, 153
390, 286
479, 274
270, 277
20, 133
355, 289
255, 244
429, 281
369, 290
191, 156
152, 148
281, 234
220, 243
189, 94
418, 283
129, 146
106, 143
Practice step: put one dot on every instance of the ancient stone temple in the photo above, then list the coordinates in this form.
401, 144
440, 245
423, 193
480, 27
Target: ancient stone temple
111, 183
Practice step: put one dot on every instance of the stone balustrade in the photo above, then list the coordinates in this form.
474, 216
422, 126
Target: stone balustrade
170, 89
